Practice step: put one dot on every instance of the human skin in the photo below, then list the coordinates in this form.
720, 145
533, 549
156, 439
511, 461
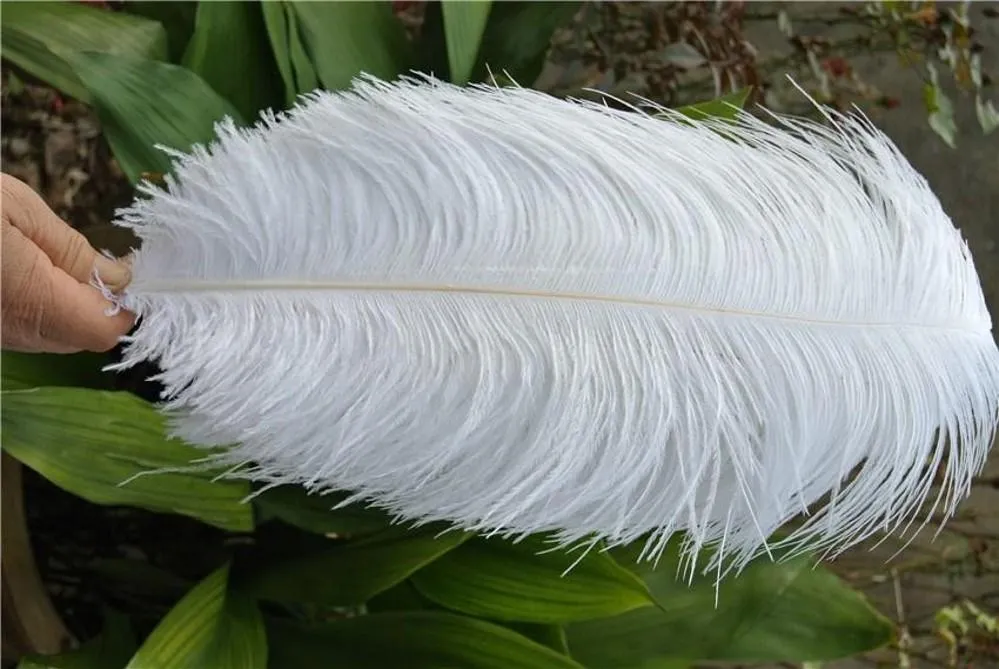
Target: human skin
47, 302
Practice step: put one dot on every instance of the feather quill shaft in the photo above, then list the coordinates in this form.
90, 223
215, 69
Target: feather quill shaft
522, 314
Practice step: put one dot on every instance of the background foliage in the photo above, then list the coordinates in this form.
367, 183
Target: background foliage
287, 579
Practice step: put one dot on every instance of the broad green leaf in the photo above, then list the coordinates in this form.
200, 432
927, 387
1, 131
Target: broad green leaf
231, 52
213, 627
772, 612
306, 78
142, 103
15, 86
414, 640
354, 571
90, 442
527, 581
276, 22
109, 650
345, 39
137, 577
725, 107
552, 636
35, 370
297, 71
315, 513
464, 23
39, 36
176, 17
518, 36
402, 597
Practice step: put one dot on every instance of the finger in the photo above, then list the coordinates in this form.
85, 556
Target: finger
76, 314
66, 248
45, 309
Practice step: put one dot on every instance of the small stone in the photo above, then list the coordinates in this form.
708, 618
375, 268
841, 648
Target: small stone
87, 127
19, 147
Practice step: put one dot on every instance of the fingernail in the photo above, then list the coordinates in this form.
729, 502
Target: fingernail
114, 274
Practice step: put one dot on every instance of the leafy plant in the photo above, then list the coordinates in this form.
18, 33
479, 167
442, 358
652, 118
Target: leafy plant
926, 37
321, 583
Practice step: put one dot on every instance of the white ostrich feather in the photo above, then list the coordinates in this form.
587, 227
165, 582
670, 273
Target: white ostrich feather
521, 314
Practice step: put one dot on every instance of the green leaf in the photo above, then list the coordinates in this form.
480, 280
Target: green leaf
415, 640
354, 571
987, 115
39, 36
552, 636
15, 86
110, 649
276, 20
176, 17
142, 103
137, 578
315, 513
306, 79
402, 597
527, 581
941, 111
941, 118
293, 62
518, 36
345, 39
464, 24
91, 441
725, 107
213, 627
771, 612
35, 370
231, 51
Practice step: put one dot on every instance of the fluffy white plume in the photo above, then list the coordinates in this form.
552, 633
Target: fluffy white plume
521, 314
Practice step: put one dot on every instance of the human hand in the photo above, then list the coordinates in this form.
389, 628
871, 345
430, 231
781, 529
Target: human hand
48, 304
